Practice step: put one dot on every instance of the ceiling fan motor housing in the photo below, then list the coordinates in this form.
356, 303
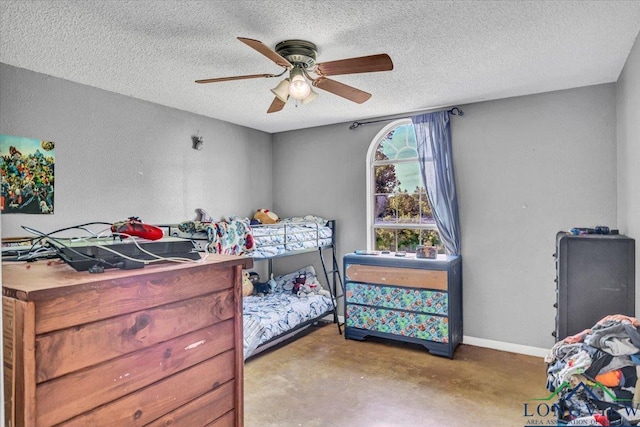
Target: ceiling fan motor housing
298, 52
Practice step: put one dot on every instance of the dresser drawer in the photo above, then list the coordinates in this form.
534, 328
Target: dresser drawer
411, 299
396, 322
154, 401
409, 277
214, 408
71, 349
80, 391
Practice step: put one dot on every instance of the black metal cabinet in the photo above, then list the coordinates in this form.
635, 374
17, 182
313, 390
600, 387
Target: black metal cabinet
595, 277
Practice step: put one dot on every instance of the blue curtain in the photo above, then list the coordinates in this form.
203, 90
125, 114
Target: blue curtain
433, 136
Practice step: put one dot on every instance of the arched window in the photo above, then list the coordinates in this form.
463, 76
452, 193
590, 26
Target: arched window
399, 215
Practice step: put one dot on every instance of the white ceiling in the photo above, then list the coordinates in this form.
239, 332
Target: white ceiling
445, 53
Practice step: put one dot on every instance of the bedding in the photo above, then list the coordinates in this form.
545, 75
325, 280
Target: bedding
236, 236
277, 314
270, 316
291, 234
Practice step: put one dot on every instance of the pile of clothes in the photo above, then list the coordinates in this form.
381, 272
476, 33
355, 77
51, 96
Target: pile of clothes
594, 374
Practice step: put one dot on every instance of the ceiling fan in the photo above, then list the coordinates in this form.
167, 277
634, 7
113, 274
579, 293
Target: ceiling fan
298, 57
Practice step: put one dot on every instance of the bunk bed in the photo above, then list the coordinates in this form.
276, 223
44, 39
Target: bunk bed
282, 313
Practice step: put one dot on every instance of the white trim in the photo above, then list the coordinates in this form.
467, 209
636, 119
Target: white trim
505, 346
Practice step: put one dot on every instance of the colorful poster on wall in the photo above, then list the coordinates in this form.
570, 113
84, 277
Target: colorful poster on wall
26, 166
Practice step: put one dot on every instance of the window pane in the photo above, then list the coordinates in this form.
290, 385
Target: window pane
385, 211
408, 176
386, 180
408, 207
408, 239
426, 215
400, 143
385, 239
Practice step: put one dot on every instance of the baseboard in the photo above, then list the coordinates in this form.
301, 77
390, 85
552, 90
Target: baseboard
497, 345
505, 346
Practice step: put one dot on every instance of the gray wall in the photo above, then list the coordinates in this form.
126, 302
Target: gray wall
526, 168
628, 114
117, 156
321, 171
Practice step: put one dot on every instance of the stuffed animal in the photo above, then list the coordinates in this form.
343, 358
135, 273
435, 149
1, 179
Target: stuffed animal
247, 286
312, 288
265, 216
298, 282
262, 289
272, 283
203, 216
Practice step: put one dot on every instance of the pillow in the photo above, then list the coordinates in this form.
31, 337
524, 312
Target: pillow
284, 283
308, 218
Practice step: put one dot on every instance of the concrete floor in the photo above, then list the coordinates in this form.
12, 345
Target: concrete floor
323, 380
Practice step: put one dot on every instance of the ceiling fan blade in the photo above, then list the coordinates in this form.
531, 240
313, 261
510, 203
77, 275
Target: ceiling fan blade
266, 51
363, 64
226, 79
276, 105
341, 89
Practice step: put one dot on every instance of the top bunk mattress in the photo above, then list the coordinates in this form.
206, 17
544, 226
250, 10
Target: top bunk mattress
236, 236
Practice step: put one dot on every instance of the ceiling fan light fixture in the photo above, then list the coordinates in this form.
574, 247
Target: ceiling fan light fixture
298, 56
299, 87
282, 90
310, 98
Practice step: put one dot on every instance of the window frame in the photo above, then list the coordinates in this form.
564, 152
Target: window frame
370, 166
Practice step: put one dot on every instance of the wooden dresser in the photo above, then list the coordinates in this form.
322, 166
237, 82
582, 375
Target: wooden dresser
156, 346
405, 299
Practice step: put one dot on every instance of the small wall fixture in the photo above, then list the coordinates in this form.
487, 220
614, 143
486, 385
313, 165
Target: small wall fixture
197, 142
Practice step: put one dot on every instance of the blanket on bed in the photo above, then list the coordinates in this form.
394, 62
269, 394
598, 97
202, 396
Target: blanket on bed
236, 236
231, 236
270, 316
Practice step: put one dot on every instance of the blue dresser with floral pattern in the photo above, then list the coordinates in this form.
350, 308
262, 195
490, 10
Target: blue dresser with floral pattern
407, 299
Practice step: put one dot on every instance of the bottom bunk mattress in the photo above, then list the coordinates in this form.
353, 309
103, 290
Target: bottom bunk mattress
280, 311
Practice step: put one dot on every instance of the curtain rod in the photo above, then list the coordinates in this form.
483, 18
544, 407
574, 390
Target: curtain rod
455, 111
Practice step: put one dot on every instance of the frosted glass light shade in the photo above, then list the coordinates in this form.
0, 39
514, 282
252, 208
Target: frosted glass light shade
299, 88
311, 97
282, 90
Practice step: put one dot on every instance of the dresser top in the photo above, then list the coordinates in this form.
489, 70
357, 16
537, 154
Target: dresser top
25, 280
442, 262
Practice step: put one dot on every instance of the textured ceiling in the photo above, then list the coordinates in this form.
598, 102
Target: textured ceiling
445, 53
